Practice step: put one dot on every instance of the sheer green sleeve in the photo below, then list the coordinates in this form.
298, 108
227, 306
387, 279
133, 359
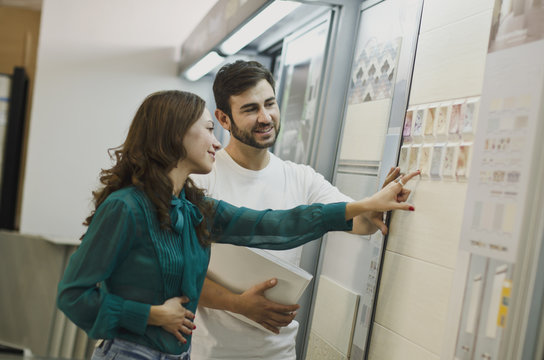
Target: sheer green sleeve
277, 229
98, 312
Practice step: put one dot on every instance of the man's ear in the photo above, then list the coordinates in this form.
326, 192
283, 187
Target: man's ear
223, 119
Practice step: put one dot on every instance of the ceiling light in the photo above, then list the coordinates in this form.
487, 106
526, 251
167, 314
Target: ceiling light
204, 66
258, 25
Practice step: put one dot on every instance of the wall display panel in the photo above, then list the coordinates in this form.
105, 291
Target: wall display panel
375, 107
299, 89
437, 138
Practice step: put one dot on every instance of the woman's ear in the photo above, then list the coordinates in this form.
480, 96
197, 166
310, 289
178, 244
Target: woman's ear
223, 119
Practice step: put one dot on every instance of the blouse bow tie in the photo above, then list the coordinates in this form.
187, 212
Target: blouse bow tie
183, 210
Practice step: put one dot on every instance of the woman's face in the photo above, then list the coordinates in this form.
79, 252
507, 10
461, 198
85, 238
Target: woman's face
200, 144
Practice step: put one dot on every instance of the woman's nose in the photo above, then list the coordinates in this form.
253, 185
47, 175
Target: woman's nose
216, 144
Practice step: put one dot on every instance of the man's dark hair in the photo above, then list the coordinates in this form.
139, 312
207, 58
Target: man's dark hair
237, 77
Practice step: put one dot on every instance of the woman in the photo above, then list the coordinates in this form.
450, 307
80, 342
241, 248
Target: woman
148, 241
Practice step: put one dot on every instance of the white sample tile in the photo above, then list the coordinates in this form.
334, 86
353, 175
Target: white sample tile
413, 300
450, 60
364, 131
335, 311
430, 233
387, 345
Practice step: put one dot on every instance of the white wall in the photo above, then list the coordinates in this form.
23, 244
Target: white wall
97, 60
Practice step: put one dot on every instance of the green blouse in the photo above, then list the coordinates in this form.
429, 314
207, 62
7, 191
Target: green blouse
126, 262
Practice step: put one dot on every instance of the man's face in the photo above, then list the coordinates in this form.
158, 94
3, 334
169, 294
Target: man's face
255, 116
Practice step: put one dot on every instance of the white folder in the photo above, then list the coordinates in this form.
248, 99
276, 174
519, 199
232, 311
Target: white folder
238, 268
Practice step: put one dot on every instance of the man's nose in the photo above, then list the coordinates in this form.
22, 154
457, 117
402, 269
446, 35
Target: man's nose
264, 116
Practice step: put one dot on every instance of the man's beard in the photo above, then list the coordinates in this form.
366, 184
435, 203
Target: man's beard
248, 138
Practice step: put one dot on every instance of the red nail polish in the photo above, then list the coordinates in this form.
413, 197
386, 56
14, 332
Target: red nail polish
411, 208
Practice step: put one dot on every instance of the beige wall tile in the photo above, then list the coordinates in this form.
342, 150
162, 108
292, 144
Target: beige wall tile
450, 60
386, 345
413, 300
432, 232
438, 13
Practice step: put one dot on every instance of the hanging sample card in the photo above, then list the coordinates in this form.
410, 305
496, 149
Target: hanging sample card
430, 116
449, 165
407, 130
463, 161
436, 162
503, 150
469, 113
442, 119
425, 160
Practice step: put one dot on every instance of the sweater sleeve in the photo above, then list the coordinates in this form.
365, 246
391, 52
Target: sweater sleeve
277, 229
80, 294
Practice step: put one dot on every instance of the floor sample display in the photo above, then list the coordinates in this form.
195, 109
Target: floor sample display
333, 321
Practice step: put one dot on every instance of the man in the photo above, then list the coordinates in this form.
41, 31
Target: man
247, 174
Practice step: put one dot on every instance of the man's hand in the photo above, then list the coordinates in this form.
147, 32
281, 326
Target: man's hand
376, 218
255, 306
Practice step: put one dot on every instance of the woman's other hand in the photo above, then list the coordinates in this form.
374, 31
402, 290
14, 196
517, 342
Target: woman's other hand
173, 317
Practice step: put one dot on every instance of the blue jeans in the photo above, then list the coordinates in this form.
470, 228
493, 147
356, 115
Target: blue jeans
124, 350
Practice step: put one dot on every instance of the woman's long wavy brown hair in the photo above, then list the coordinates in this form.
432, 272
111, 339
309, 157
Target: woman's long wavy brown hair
153, 147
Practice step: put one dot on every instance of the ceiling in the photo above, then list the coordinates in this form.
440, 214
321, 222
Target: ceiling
27, 4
